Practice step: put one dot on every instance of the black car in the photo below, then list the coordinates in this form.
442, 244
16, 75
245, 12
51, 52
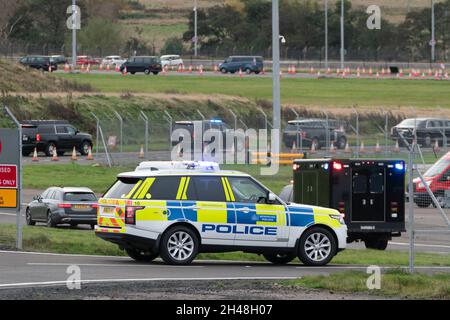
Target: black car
428, 130
306, 132
43, 63
48, 135
55, 206
247, 64
143, 64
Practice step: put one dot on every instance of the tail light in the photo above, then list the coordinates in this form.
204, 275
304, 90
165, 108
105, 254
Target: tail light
94, 206
130, 215
64, 205
296, 167
337, 166
38, 137
394, 209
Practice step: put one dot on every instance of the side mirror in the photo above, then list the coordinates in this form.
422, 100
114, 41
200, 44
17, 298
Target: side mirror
37, 198
271, 198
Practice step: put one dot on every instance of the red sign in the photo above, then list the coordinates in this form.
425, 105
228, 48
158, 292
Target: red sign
8, 176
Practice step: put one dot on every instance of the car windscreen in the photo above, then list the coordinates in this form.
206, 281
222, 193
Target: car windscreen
409, 123
123, 188
80, 197
438, 167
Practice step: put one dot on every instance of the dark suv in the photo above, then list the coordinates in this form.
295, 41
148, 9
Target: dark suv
245, 63
307, 132
428, 130
48, 135
146, 65
40, 63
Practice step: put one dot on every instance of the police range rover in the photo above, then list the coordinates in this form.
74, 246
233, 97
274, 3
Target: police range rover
178, 213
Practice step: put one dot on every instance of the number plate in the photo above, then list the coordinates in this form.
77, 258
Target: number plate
110, 211
81, 207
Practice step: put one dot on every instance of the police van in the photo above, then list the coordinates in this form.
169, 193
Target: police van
178, 213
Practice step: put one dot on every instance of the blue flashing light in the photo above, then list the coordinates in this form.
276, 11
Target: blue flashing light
216, 121
326, 166
400, 166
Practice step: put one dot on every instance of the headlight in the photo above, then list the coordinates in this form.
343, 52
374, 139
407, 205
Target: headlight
338, 217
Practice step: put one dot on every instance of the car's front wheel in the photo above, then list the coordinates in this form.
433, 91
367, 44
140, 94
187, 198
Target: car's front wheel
141, 256
279, 258
50, 221
147, 72
224, 71
29, 219
317, 247
179, 246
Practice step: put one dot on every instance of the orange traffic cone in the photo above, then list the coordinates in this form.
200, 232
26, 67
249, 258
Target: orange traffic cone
74, 154
241, 75
66, 67
35, 155
55, 155
294, 147
313, 148
362, 149
108, 68
117, 68
332, 148
397, 147
142, 153
90, 156
125, 71
377, 148
100, 67
347, 148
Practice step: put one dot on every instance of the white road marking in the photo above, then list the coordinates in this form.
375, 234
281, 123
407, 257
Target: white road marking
107, 265
63, 254
382, 267
53, 283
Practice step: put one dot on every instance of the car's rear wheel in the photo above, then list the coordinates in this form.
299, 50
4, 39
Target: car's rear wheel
179, 246
85, 148
147, 71
29, 219
279, 258
376, 244
141, 256
248, 71
155, 73
424, 203
342, 143
317, 247
224, 71
50, 221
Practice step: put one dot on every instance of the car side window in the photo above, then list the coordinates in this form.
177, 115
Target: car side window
246, 190
61, 130
209, 188
160, 188
71, 130
45, 194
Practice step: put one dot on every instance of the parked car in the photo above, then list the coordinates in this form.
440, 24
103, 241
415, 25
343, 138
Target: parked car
55, 206
48, 135
428, 130
307, 132
113, 61
248, 64
145, 64
43, 63
58, 59
171, 61
438, 180
87, 60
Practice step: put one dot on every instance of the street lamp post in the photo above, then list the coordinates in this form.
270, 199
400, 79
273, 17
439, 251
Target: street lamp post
195, 29
276, 68
74, 35
433, 35
342, 35
326, 34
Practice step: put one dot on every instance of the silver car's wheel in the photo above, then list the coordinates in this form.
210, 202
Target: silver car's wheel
318, 247
180, 246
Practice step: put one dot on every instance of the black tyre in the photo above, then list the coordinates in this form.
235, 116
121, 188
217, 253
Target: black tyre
155, 73
280, 258
425, 203
85, 146
147, 71
141, 256
74, 225
133, 73
224, 71
179, 246
92, 226
26, 153
427, 141
342, 142
248, 71
29, 219
376, 244
50, 220
317, 247
61, 153
49, 149
257, 72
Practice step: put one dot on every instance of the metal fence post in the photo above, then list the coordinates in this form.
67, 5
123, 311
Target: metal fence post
170, 121
97, 134
357, 132
121, 129
145, 118
411, 207
235, 137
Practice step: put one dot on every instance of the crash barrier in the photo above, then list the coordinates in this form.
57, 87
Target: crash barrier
267, 158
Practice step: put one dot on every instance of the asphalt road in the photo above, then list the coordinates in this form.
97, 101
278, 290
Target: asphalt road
33, 270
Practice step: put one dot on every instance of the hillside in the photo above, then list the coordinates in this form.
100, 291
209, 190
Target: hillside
16, 78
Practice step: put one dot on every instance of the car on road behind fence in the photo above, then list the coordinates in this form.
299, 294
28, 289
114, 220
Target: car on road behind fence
306, 132
171, 61
85, 60
43, 63
56, 206
145, 64
58, 59
113, 61
48, 135
437, 177
427, 130
177, 214
247, 64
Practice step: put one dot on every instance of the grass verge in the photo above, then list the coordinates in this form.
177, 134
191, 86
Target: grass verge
76, 241
394, 283
315, 92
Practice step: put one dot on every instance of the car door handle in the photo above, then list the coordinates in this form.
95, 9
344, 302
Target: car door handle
244, 210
